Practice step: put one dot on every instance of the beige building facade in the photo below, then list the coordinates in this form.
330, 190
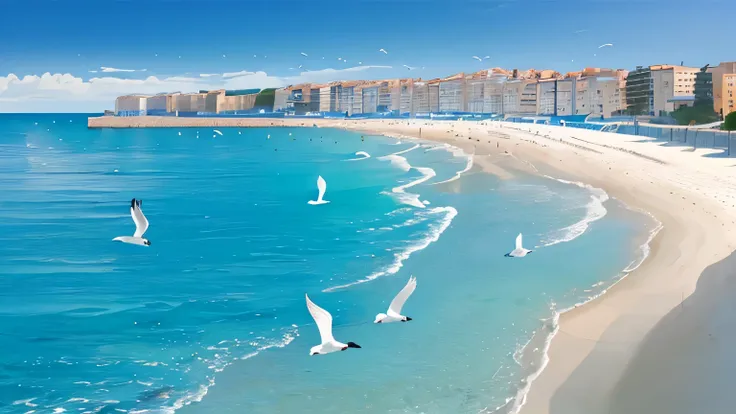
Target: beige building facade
668, 82
724, 88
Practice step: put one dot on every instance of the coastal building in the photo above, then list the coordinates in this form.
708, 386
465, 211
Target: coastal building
160, 104
236, 102
131, 105
357, 100
384, 97
346, 97
704, 86
639, 97
598, 96
519, 97
406, 97
369, 99
546, 97
565, 102
484, 91
329, 97
723, 88
425, 98
452, 94
671, 85
281, 96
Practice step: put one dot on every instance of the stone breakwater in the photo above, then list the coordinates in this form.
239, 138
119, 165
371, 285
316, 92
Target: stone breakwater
176, 122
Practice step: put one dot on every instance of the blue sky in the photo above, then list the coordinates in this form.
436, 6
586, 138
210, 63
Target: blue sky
78, 36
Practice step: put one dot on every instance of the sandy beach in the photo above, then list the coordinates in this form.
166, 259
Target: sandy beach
598, 350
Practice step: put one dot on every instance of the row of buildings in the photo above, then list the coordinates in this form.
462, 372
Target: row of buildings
661, 89
188, 104
652, 90
493, 91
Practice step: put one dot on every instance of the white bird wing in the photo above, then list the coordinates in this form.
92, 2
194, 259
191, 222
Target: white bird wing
141, 222
604, 45
477, 58
518, 242
322, 187
323, 320
394, 309
217, 131
304, 54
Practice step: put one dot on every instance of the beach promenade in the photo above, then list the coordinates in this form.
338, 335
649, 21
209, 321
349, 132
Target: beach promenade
593, 356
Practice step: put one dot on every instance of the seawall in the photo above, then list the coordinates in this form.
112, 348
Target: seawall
185, 122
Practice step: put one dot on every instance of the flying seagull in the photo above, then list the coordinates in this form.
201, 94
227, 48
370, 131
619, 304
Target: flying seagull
217, 131
141, 225
324, 324
477, 58
394, 309
304, 54
605, 45
383, 51
519, 251
409, 67
321, 187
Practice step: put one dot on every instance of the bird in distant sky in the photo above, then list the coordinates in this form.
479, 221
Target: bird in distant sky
224, 56
339, 58
477, 58
360, 63
300, 66
304, 54
383, 51
605, 45
409, 67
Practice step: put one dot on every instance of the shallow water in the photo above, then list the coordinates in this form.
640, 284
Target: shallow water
218, 298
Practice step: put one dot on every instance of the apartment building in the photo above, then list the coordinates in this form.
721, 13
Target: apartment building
452, 94
369, 99
668, 83
280, 98
131, 105
723, 88
546, 97
639, 97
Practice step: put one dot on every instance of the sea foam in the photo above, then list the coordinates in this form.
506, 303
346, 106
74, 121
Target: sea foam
595, 210
432, 235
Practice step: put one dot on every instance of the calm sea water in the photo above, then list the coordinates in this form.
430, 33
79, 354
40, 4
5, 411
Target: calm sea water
211, 317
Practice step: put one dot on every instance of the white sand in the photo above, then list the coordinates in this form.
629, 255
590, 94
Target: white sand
693, 196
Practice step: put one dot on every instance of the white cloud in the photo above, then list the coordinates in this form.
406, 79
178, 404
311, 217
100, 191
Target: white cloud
65, 92
109, 70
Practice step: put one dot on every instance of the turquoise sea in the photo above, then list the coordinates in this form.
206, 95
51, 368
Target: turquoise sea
212, 318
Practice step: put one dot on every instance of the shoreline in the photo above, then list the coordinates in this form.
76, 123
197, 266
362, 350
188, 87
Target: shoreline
681, 193
691, 193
